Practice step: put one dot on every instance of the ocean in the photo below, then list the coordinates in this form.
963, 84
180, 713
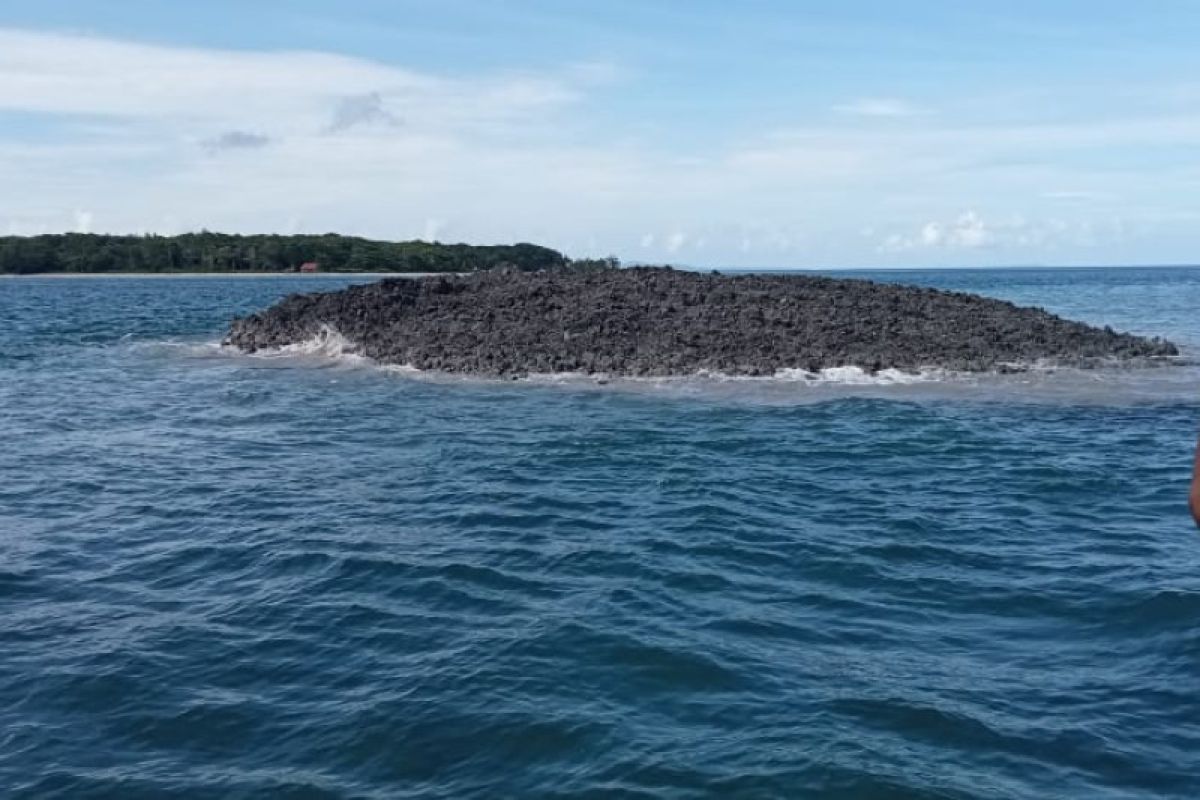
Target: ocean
300, 575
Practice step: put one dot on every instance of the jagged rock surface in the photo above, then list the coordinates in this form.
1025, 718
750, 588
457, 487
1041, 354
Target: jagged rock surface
654, 321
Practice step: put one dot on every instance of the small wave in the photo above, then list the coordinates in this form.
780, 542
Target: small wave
176, 347
848, 375
1117, 384
402, 369
326, 345
328, 342
1109, 386
857, 376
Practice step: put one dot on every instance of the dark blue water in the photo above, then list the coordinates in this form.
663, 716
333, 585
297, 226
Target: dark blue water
293, 576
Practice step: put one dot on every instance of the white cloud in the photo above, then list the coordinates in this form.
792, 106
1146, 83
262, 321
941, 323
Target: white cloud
83, 221
969, 232
136, 126
433, 228
284, 91
920, 154
170, 138
932, 234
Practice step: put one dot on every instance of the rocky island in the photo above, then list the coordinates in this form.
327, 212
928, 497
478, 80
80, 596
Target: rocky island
660, 321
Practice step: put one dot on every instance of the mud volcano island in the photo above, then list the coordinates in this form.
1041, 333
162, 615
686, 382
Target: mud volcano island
660, 322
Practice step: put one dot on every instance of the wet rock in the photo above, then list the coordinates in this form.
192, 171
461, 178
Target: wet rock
655, 321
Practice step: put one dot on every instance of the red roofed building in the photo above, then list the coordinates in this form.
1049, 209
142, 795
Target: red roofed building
310, 266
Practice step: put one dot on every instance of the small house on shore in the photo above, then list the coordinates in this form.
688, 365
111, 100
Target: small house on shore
310, 266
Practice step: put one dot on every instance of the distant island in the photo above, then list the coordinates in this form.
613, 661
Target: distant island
230, 253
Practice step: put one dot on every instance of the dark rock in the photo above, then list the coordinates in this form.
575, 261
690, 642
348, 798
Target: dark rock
653, 321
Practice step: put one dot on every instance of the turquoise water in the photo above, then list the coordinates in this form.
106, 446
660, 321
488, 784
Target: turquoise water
302, 576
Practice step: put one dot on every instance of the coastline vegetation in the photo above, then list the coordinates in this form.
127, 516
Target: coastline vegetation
230, 253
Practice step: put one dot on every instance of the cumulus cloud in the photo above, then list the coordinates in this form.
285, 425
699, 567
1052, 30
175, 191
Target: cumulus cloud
742, 238
433, 229
765, 237
970, 232
83, 221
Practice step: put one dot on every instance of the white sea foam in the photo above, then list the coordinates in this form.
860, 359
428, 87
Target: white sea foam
330, 345
326, 346
402, 369
857, 376
327, 343
175, 347
1119, 385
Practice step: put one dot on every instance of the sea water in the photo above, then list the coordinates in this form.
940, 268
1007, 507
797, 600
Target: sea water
301, 575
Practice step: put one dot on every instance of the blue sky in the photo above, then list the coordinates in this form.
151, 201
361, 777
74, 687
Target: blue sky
772, 134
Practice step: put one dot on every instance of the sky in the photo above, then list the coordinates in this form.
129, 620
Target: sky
761, 133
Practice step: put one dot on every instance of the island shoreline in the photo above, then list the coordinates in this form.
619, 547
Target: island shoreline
661, 322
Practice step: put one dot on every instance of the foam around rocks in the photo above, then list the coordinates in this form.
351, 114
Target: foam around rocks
657, 321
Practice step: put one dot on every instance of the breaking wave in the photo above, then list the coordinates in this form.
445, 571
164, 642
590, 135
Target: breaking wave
1038, 382
328, 343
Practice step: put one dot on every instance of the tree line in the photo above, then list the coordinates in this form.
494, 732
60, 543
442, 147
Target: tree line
220, 252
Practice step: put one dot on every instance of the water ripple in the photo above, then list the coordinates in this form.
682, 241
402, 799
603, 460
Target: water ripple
228, 577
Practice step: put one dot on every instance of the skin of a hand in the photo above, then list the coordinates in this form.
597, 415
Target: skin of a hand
1194, 497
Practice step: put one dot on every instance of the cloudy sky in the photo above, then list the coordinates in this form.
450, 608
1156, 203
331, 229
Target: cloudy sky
770, 133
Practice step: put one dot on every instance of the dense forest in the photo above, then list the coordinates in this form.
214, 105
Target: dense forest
218, 252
